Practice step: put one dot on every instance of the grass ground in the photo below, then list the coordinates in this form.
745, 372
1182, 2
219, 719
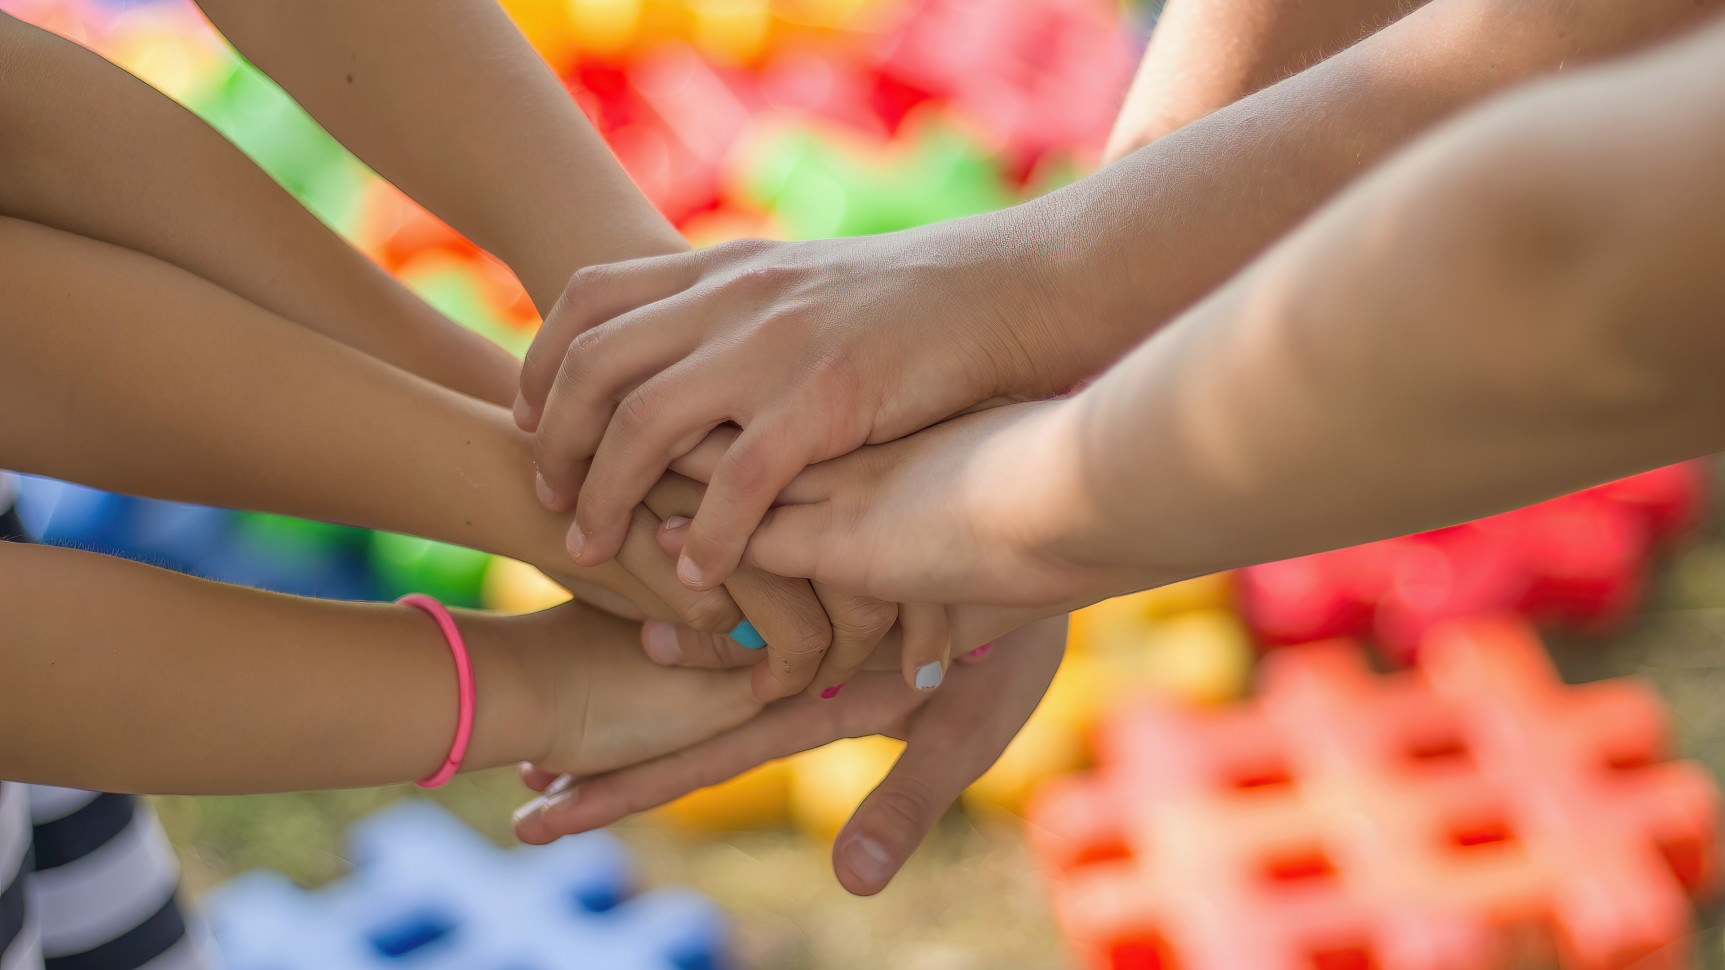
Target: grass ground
970, 900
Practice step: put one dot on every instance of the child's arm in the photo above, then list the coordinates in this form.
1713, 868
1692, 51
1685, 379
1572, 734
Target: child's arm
446, 99
1526, 303
126, 373
1207, 54
124, 677
92, 150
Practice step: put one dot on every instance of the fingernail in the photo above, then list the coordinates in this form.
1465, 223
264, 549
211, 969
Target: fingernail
981, 651
929, 676
746, 634
831, 692
660, 640
543, 488
577, 541
560, 791
868, 859
676, 522
523, 413
689, 572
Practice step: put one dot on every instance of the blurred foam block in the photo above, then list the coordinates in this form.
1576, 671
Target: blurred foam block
1472, 814
428, 893
819, 184
756, 799
1579, 562
515, 587
265, 551
451, 574
1034, 76
1200, 656
63, 514
829, 782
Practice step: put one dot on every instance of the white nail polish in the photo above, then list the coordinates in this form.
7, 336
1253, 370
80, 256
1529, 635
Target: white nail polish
929, 676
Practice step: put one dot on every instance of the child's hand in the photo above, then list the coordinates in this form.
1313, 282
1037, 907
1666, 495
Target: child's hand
609, 705
966, 512
815, 636
953, 735
814, 348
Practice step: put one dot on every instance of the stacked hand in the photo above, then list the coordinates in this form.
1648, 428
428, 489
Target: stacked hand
952, 736
787, 377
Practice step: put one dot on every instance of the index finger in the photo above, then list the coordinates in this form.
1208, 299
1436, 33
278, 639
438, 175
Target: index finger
593, 295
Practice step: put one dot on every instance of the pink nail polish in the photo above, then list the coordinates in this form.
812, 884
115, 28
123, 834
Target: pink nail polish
831, 692
981, 651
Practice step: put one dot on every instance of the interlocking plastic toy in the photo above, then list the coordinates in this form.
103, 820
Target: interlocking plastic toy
1463, 815
428, 893
1035, 76
266, 551
1579, 562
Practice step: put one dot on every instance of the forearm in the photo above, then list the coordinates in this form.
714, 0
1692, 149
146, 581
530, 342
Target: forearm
1517, 308
124, 677
94, 151
140, 378
447, 100
1146, 237
1206, 54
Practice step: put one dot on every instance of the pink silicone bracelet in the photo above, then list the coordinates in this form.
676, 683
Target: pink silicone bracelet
463, 687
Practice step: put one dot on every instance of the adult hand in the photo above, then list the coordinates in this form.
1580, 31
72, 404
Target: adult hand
786, 616
951, 737
812, 348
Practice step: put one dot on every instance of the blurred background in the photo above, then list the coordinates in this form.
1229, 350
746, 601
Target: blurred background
813, 118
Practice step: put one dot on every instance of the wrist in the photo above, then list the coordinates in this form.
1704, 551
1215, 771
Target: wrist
1038, 535
1090, 527
1056, 308
515, 711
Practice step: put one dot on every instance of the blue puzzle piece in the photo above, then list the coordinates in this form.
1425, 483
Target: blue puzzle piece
428, 893
62, 514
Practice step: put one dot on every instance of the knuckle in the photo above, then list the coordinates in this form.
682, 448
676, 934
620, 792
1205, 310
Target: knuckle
579, 358
635, 412
586, 279
764, 276
748, 469
806, 640
745, 247
907, 808
865, 619
711, 613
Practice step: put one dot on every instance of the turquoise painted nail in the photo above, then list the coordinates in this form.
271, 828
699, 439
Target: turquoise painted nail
748, 636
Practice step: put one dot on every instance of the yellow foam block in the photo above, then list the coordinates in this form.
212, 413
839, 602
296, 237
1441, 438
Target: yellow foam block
1204, 656
829, 783
546, 25
1124, 621
1199, 657
1053, 741
731, 31
515, 587
755, 799
604, 26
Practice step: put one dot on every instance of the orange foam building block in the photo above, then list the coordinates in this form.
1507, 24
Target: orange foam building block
1471, 814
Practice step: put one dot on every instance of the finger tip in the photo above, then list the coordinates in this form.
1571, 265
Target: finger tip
863, 865
526, 415
659, 641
